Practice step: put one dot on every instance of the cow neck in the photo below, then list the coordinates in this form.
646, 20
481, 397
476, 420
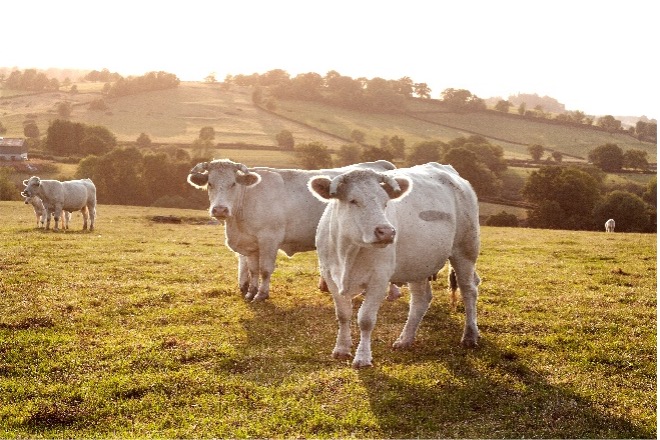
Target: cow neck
238, 217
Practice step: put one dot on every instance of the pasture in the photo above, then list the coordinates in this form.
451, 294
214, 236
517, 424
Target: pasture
137, 330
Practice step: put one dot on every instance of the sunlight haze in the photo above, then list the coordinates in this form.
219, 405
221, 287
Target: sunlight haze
591, 56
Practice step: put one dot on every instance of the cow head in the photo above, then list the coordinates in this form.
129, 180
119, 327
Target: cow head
31, 186
361, 199
225, 182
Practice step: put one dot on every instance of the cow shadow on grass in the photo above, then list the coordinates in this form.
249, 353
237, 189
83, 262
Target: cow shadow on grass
488, 392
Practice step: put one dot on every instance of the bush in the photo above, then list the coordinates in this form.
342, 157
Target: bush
502, 219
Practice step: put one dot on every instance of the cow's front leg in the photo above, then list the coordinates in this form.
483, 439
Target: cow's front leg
343, 311
367, 316
253, 275
243, 274
48, 215
420, 299
58, 214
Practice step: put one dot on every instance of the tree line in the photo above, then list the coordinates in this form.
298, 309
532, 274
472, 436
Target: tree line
116, 85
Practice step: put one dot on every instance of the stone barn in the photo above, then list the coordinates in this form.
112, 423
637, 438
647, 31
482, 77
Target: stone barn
13, 149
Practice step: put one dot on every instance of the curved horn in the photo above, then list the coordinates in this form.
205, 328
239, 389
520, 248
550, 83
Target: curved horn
242, 168
388, 180
334, 184
202, 166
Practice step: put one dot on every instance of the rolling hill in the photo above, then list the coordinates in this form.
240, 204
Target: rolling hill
175, 116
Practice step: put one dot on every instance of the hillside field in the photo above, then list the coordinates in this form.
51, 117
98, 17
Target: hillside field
175, 116
137, 330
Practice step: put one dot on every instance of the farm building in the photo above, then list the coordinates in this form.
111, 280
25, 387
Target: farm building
13, 149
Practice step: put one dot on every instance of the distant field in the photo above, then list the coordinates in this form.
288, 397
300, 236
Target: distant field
137, 331
176, 116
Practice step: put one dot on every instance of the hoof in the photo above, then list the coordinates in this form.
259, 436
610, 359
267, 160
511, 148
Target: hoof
357, 364
261, 296
342, 356
400, 344
469, 343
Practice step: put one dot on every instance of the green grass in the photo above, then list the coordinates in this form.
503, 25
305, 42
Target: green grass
136, 330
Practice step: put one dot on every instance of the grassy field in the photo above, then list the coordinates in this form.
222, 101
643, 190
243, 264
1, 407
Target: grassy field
136, 330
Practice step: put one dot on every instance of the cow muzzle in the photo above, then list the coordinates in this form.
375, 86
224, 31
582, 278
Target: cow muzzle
384, 234
220, 212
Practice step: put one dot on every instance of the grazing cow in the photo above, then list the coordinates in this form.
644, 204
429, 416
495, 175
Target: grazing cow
609, 225
397, 226
264, 209
64, 197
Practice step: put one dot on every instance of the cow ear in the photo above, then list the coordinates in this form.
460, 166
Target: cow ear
25, 182
320, 187
397, 193
248, 179
198, 180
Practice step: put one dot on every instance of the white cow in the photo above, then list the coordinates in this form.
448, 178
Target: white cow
39, 209
398, 226
64, 197
609, 225
264, 209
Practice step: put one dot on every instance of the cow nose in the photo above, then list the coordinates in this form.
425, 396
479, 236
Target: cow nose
220, 211
384, 233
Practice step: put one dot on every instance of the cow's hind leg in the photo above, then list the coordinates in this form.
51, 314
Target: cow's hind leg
267, 257
92, 217
468, 280
420, 299
85, 215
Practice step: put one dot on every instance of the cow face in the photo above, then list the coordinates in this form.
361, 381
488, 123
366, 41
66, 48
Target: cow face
225, 182
360, 204
31, 186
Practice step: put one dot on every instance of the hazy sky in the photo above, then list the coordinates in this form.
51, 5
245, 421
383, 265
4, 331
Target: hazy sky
595, 56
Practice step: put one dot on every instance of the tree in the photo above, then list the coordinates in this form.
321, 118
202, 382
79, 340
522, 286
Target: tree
64, 109
607, 157
557, 156
503, 106
372, 153
358, 136
628, 210
207, 133
522, 109
468, 165
651, 193
30, 129
608, 123
143, 140
3, 129
636, 159
313, 155
348, 154
285, 140
422, 90
461, 99
210, 78
424, 152
565, 197
536, 151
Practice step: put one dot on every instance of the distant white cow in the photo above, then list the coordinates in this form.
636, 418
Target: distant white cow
61, 198
264, 209
399, 226
609, 225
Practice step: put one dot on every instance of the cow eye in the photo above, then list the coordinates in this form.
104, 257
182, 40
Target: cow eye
209, 185
353, 202
233, 185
